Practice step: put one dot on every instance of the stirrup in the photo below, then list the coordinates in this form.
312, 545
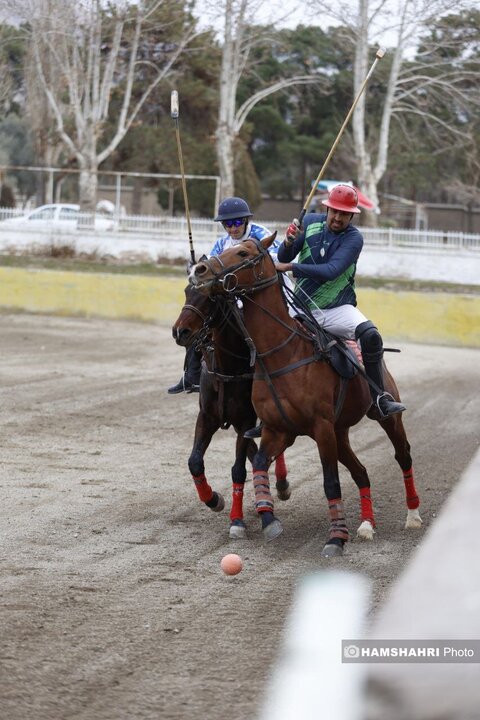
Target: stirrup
191, 387
391, 406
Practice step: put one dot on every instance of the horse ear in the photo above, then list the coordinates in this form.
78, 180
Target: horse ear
267, 241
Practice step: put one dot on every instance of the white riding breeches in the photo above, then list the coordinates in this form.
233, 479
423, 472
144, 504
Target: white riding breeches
341, 321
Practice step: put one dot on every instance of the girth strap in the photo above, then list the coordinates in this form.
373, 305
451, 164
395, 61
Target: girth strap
341, 397
287, 368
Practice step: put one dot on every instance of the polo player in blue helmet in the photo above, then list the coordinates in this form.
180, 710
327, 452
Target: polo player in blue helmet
235, 216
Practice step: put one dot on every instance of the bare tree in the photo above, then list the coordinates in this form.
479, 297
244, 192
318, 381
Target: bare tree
5, 87
418, 82
241, 31
41, 120
85, 53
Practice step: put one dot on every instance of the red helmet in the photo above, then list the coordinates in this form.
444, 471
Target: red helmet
342, 197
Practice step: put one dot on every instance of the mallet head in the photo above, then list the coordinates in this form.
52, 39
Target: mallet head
174, 104
380, 52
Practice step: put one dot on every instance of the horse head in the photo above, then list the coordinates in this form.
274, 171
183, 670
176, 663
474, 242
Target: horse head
195, 316
243, 267
202, 317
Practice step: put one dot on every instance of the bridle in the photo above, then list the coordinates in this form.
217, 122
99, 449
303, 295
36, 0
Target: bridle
221, 316
227, 276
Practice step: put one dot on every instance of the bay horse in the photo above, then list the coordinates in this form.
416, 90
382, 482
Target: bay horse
224, 399
294, 393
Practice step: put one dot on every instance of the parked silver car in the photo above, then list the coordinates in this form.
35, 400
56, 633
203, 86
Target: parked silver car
59, 215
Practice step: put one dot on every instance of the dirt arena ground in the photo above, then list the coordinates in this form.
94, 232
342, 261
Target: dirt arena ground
112, 602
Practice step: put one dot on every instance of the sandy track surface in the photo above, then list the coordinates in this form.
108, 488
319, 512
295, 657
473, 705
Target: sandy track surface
112, 602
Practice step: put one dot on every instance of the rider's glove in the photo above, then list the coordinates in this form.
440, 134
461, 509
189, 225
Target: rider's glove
292, 232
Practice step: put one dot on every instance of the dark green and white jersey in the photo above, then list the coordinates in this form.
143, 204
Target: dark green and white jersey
326, 265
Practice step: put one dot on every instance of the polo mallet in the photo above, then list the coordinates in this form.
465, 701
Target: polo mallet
379, 54
174, 113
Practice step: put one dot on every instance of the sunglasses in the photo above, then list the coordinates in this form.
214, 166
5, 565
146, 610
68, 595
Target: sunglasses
233, 223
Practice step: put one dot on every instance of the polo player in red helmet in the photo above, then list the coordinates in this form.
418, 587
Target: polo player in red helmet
326, 250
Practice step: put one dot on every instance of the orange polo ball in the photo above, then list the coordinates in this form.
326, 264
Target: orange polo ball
231, 564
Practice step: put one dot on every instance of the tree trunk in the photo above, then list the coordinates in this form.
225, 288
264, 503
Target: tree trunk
88, 188
225, 134
225, 157
365, 176
137, 196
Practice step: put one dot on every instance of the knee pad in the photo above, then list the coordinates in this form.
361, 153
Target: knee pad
370, 340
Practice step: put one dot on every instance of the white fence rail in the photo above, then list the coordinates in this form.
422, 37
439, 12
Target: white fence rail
205, 231
421, 239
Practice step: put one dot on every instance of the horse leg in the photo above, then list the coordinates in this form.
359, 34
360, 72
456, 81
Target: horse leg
271, 526
239, 474
360, 476
204, 431
282, 485
327, 446
393, 426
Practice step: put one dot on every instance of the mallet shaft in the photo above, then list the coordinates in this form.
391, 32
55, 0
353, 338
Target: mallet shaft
379, 54
174, 111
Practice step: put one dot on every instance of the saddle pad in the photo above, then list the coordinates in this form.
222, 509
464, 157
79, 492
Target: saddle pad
341, 363
353, 345
338, 358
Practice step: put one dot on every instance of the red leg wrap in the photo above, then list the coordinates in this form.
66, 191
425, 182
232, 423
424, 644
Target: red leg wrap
411, 493
205, 492
366, 507
263, 497
338, 527
236, 513
280, 468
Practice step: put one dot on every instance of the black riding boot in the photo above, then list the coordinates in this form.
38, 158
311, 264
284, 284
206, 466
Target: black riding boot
372, 352
190, 380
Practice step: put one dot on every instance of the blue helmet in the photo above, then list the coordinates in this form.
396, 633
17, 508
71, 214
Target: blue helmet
232, 208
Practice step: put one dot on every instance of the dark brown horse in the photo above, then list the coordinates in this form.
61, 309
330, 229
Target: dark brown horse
294, 393
225, 398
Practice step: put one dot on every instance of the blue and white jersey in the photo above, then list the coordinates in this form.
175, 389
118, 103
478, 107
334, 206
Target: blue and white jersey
258, 232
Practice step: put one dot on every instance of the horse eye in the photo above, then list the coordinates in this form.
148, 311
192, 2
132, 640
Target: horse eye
243, 253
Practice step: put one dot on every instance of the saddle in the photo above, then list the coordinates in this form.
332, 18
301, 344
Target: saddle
343, 355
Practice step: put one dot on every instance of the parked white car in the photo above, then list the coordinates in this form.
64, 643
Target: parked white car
65, 216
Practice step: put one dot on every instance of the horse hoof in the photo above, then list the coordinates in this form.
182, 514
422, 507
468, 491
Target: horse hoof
283, 489
332, 550
366, 530
413, 520
237, 531
220, 503
272, 531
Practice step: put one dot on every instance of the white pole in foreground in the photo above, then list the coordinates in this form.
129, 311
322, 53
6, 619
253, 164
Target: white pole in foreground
310, 681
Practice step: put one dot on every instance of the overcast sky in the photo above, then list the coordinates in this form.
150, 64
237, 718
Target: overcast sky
286, 13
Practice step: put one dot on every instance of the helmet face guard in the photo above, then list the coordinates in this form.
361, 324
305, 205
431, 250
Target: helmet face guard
343, 198
233, 208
